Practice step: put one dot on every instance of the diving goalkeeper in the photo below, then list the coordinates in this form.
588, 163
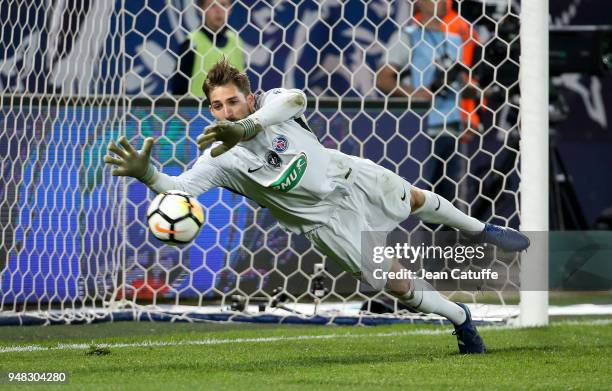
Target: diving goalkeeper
263, 148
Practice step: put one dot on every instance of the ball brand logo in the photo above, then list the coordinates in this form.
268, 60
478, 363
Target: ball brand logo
163, 230
280, 144
292, 175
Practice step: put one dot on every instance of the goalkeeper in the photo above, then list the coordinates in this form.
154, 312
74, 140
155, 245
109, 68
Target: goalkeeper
263, 148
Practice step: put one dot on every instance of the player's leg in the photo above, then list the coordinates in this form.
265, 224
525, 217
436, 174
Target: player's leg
348, 241
432, 208
420, 295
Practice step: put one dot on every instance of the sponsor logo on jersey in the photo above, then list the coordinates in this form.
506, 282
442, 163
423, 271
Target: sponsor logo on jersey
292, 175
280, 144
273, 159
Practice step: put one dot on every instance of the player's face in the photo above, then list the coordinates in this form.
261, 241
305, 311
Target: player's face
216, 13
228, 103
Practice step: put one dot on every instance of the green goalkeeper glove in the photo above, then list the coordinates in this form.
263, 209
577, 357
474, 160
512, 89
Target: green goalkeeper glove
230, 133
129, 162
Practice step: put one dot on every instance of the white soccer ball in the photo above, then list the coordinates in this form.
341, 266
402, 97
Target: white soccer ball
175, 217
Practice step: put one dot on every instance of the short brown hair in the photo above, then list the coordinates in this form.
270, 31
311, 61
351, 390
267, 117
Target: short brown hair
223, 73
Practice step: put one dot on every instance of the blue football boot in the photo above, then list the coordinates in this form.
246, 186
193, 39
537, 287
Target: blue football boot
468, 339
504, 238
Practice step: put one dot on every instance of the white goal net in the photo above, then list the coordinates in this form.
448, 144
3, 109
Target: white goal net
75, 74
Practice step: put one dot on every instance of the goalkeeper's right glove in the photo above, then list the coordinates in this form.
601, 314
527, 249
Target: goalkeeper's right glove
132, 163
230, 133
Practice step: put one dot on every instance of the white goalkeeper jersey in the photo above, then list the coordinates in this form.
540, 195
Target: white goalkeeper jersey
284, 168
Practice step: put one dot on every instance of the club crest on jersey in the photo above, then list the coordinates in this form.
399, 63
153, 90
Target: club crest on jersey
273, 159
280, 144
292, 175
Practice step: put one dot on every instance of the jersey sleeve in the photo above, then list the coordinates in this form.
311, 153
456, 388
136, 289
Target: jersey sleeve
205, 174
279, 105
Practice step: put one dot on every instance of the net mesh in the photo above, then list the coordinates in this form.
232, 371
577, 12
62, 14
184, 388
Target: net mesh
79, 73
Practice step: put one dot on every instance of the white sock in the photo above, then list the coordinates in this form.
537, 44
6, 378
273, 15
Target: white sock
424, 298
438, 210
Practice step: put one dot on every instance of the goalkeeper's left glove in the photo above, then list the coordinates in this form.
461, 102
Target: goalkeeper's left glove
129, 162
230, 133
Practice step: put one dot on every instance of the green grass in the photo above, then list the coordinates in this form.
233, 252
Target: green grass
402, 357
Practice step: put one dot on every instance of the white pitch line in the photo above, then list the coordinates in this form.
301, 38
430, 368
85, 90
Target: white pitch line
209, 341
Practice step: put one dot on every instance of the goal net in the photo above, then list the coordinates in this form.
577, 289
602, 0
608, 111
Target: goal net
74, 243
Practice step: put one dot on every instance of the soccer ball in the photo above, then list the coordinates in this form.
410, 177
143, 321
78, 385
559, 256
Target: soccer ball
175, 217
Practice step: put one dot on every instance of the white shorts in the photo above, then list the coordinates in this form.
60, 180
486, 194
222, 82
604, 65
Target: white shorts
378, 201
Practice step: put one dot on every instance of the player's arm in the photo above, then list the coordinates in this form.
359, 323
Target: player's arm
388, 77
388, 81
203, 176
278, 106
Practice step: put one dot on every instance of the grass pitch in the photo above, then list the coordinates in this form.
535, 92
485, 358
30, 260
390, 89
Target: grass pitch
152, 356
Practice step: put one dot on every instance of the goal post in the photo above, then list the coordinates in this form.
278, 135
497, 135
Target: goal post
75, 246
534, 190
